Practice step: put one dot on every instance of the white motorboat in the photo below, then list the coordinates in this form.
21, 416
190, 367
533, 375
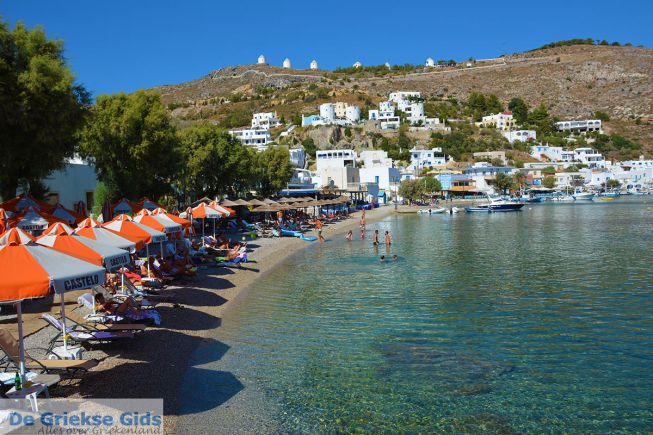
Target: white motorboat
436, 210
496, 205
583, 196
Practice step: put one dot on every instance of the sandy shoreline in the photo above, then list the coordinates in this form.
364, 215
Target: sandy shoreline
154, 364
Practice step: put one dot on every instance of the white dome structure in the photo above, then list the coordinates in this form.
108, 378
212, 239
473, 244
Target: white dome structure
358, 65
387, 65
430, 63
314, 64
286, 63
261, 60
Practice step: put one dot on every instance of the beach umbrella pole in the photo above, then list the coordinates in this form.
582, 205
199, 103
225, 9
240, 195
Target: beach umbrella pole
64, 330
214, 228
21, 344
147, 252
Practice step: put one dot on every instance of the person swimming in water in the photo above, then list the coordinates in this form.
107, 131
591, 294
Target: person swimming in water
394, 257
376, 237
382, 259
349, 236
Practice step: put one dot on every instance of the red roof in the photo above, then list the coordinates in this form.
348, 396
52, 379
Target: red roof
506, 113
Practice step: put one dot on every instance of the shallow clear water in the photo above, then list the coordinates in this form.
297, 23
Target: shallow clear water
538, 321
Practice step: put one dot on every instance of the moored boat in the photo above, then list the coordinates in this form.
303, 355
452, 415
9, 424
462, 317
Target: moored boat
496, 205
437, 210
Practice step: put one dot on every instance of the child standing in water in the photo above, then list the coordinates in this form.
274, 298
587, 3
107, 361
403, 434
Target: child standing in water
376, 237
387, 238
349, 236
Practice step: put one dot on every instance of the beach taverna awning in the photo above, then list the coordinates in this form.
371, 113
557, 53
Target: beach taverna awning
32, 220
228, 203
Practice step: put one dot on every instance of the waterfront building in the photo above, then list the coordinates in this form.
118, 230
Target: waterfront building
379, 168
258, 138
519, 135
501, 121
265, 120
487, 170
335, 158
313, 65
287, 64
589, 157
581, 126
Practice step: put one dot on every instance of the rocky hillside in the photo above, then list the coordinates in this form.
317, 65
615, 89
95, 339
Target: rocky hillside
573, 81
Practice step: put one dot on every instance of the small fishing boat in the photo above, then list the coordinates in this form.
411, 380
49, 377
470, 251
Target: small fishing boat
583, 196
437, 210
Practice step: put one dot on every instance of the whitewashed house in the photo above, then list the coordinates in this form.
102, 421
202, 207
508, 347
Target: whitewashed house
75, 181
379, 168
337, 113
265, 120
337, 168
501, 121
520, 135
581, 126
420, 159
258, 138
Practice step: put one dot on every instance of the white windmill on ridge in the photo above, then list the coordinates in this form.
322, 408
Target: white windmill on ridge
261, 60
286, 63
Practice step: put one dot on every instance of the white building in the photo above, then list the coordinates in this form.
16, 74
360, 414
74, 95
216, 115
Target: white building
398, 96
589, 157
385, 116
430, 63
519, 135
335, 113
501, 121
265, 120
541, 152
581, 126
75, 182
641, 163
255, 137
379, 168
352, 114
287, 64
328, 113
420, 159
261, 60
337, 168
313, 64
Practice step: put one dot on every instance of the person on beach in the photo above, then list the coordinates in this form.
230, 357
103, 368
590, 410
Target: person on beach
318, 225
350, 236
376, 237
363, 218
387, 238
362, 233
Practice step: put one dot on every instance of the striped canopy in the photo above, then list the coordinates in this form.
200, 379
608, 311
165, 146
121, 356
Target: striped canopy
124, 206
224, 210
203, 211
123, 224
89, 223
108, 237
32, 220
86, 249
159, 223
22, 201
185, 223
29, 271
147, 204
59, 211
58, 228
15, 235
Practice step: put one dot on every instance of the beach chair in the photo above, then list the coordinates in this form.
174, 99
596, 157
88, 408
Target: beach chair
87, 300
71, 367
237, 262
73, 318
84, 335
135, 292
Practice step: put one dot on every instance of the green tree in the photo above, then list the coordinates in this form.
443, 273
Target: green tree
100, 196
603, 116
549, 182
612, 184
273, 171
132, 144
429, 185
215, 162
540, 118
502, 182
409, 189
519, 110
41, 107
492, 104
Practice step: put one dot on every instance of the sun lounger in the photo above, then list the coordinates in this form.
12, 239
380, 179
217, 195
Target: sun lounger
70, 366
241, 258
87, 300
133, 291
85, 335
78, 320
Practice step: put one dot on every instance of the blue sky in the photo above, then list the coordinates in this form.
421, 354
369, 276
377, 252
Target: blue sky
124, 45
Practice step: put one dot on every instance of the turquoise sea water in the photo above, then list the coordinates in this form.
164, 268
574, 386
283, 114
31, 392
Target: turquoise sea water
537, 321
